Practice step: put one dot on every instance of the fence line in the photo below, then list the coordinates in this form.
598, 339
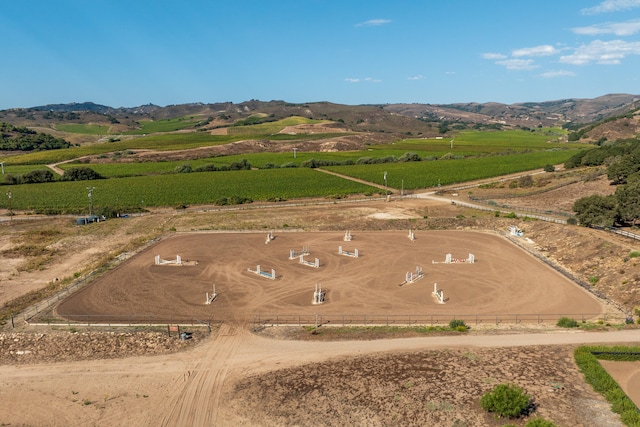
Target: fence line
262, 320
495, 205
483, 208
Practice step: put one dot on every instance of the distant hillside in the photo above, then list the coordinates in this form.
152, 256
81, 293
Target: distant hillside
392, 119
528, 114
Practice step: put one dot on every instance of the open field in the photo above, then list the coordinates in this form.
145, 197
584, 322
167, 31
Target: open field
503, 280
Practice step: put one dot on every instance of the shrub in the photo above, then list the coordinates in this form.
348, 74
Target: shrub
209, 167
186, 168
566, 322
457, 323
549, 168
506, 400
634, 254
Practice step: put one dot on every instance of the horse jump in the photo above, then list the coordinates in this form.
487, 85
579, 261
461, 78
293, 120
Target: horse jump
160, 261
353, 254
438, 294
293, 254
449, 260
211, 297
412, 277
315, 264
514, 230
318, 295
347, 236
270, 237
264, 273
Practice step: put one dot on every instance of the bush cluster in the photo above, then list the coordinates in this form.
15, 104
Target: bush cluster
506, 400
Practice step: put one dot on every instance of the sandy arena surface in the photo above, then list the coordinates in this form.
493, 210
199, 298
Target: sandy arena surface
503, 279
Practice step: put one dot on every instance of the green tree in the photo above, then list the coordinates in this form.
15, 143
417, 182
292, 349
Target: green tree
596, 210
80, 174
628, 198
37, 176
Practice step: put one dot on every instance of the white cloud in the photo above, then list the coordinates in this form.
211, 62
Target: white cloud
493, 56
542, 50
518, 64
417, 77
611, 52
628, 28
358, 80
611, 6
558, 73
373, 23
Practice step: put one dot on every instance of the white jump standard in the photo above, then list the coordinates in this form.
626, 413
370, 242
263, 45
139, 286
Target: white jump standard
270, 237
438, 294
293, 254
318, 295
263, 273
347, 236
449, 260
412, 236
353, 254
160, 261
211, 297
315, 264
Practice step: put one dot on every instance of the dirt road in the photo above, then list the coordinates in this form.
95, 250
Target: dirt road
189, 388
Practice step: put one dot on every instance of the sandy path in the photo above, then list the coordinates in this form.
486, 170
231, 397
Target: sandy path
189, 388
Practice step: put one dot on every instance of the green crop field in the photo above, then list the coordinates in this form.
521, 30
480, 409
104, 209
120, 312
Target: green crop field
413, 175
166, 125
188, 189
270, 128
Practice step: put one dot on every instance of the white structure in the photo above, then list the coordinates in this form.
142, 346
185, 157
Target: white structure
318, 295
439, 294
353, 254
449, 260
412, 277
160, 261
412, 236
347, 236
293, 254
264, 273
315, 264
270, 237
211, 297
515, 231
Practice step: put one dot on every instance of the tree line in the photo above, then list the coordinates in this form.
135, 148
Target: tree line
622, 160
20, 138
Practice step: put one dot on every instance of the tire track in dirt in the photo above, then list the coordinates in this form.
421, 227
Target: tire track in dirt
198, 401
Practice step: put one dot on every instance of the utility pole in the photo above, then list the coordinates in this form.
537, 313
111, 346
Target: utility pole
10, 196
90, 189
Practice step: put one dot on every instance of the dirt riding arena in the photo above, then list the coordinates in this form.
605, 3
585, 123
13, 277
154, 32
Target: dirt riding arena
503, 280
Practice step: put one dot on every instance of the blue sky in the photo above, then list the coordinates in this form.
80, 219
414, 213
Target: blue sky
133, 52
